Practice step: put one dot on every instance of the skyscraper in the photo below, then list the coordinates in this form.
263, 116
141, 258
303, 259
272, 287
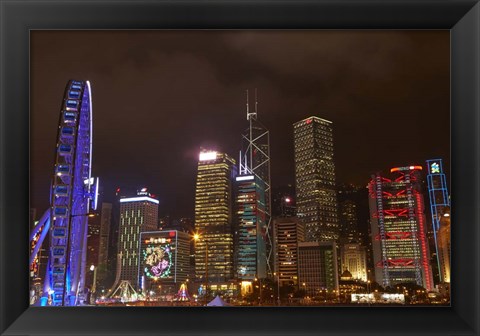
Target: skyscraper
348, 214
105, 223
399, 233
315, 179
255, 160
249, 228
354, 218
213, 217
288, 234
137, 214
439, 201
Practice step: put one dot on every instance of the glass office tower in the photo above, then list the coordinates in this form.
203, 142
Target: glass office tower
213, 217
250, 228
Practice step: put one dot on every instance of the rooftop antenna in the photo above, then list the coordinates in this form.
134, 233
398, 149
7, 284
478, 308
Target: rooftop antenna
252, 114
248, 113
256, 103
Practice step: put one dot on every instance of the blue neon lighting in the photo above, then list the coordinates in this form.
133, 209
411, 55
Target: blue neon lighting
438, 195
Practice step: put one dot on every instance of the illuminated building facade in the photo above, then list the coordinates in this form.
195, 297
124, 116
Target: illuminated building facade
399, 232
137, 214
354, 259
317, 267
105, 223
315, 179
439, 200
288, 233
348, 285
255, 160
213, 217
164, 259
444, 250
250, 228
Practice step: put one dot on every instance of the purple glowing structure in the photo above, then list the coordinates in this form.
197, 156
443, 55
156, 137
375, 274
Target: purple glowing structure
72, 193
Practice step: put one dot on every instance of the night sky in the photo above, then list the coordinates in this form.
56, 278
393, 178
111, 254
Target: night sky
158, 96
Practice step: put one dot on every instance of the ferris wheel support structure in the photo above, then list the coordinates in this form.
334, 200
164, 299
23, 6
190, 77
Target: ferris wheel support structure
73, 190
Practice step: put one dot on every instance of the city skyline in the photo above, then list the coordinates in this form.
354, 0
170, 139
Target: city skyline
213, 115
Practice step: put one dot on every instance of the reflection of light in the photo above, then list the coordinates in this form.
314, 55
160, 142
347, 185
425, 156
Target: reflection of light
89, 181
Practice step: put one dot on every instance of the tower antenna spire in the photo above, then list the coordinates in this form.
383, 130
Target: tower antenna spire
256, 103
248, 112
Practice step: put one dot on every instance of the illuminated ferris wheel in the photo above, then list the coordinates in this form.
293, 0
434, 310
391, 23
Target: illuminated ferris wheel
72, 193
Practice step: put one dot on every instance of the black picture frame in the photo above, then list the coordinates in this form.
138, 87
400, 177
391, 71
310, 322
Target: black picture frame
18, 17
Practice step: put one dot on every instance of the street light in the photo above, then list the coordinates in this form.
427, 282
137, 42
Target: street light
94, 281
197, 237
260, 290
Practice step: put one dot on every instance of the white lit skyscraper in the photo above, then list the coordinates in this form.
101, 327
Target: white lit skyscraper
137, 214
315, 179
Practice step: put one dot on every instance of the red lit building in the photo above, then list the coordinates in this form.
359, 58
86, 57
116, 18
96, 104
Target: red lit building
399, 232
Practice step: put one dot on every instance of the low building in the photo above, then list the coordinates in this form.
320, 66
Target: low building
288, 233
348, 286
164, 261
317, 267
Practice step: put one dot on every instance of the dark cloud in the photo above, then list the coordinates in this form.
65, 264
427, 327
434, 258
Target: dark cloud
160, 95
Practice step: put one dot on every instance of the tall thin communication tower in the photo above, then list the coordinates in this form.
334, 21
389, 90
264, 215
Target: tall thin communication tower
255, 159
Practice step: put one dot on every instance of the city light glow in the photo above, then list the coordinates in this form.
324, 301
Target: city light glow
208, 156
